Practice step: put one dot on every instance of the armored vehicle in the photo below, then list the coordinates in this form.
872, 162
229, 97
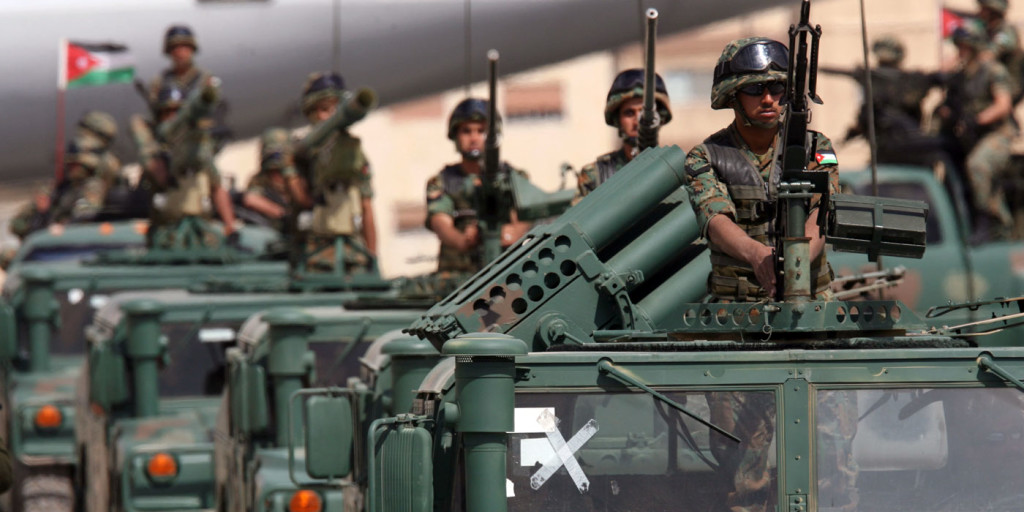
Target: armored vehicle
149, 393
259, 465
48, 301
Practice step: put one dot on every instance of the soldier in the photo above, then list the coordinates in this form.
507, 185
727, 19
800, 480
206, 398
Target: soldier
177, 158
451, 195
336, 183
731, 180
180, 47
96, 132
622, 111
976, 115
898, 94
77, 197
268, 193
1004, 42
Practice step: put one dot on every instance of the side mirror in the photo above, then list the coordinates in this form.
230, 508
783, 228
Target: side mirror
328, 436
248, 390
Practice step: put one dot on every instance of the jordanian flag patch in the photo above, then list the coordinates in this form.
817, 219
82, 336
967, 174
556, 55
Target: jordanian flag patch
826, 158
98, 64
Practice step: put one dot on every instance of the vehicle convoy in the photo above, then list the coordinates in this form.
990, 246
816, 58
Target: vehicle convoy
148, 396
56, 282
258, 456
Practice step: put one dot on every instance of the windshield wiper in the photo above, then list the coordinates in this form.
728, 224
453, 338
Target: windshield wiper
985, 361
625, 377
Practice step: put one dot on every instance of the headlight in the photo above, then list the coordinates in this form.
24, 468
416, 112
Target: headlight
305, 501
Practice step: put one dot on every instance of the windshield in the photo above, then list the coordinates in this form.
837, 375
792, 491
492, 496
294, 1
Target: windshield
632, 452
194, 365
921, 450
332, 371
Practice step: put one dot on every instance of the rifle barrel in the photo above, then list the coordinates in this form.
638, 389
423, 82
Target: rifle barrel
649, 121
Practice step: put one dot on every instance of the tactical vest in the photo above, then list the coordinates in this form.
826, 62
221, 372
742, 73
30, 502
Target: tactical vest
336, 211
338, 161
755, 201
459, 187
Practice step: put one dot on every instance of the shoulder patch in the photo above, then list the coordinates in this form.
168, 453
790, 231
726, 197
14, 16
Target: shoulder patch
826, 158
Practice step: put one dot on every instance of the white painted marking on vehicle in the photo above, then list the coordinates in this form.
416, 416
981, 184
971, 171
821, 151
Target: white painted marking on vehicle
526, 419
563, 453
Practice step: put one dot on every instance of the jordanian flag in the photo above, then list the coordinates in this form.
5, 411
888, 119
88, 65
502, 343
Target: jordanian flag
88, 64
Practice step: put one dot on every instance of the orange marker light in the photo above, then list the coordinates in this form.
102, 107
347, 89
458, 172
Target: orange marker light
106, 229
305, 501
162, 465
141, 227
49, 416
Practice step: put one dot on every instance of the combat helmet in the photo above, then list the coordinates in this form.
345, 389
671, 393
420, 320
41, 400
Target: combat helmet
630, 84
999, 6
101, 124
888, 50
972, 35
179, 35
274, 146
320, 86
469, 110
744, 62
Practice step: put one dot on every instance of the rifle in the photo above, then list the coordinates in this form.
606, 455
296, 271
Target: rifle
649, 119
492, 204
798, 185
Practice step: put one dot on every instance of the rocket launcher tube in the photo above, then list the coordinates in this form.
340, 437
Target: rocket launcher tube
353, 107
607, 212
658, 245
200, 104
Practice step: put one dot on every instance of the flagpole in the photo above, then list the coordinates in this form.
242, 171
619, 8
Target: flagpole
62, 86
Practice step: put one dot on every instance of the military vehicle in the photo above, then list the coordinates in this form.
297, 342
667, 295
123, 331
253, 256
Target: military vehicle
76, 242
47, 302
576, 378
258, 467
150, 390
958, 269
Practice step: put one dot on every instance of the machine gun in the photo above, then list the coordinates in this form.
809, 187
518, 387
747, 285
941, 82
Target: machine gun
501, 191
798, 184
493, 207
650, 121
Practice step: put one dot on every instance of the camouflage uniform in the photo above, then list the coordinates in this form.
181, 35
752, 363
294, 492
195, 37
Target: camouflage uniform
596, 173
275, 165
724, 176
987, 148
78, 197
751, 417
96, 133
185, 82
712, 193
184, 147
453, 192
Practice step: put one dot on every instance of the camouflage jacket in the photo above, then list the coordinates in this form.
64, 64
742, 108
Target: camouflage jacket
338, 161
1005, 44
972, 89
453, 192
273, 189
597, 172
109, 169
749, 201
187, 82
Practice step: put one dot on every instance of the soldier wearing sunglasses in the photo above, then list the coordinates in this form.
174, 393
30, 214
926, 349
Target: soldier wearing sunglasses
732, 177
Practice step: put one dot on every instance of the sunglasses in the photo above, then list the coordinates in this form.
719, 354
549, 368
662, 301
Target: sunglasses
774, 88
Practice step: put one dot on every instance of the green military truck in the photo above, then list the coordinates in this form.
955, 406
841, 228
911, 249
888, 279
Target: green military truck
48, 301
279, 353
579, 377
148, 395
957, 269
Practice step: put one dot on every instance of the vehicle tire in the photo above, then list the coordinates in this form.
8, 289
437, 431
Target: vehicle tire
47, 491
